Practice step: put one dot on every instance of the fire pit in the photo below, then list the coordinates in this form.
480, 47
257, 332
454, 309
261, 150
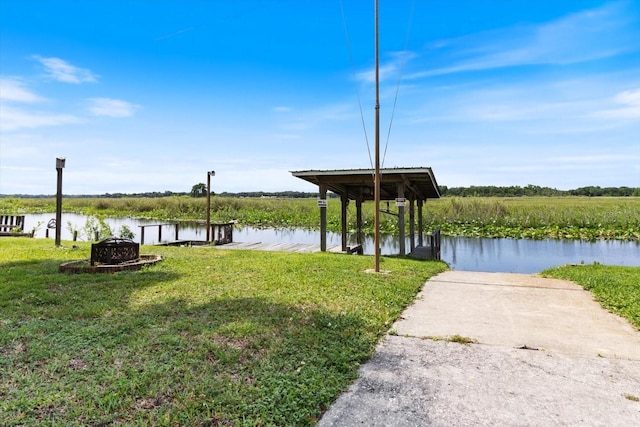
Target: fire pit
114, 250
110, 256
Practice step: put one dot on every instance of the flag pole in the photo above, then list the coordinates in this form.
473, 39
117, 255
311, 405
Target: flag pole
377, 143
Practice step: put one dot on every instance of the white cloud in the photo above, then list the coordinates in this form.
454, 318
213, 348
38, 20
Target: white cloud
62, 71
588, 35
628, 103
111, 107
394, 66
16, 118
14, 89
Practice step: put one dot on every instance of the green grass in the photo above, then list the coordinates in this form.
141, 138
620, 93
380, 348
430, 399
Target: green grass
585, 218
205, 337
615, 288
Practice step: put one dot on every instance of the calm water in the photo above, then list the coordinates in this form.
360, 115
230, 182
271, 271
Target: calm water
461, 253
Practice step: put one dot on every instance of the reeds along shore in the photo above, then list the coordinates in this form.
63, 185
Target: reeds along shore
587, 218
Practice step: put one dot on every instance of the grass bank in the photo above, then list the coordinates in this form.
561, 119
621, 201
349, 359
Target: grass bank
205, 337
615, 288
586, 218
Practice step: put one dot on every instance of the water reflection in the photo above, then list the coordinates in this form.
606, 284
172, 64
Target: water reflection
461, 253
530, 256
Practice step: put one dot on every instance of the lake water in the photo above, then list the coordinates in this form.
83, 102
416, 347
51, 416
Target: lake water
461, 253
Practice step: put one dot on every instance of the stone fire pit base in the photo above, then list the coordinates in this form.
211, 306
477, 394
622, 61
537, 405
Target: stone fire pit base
84, 266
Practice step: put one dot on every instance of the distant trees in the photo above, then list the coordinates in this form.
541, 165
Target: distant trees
536, 190
280, 194
200, 190
606, 191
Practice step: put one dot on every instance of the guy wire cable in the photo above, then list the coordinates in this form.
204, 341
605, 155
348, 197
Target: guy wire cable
402, 63
364, 127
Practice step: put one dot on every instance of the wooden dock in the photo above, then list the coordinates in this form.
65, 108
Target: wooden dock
282, 247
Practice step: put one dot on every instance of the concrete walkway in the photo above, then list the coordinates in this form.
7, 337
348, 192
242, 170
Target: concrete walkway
547, 354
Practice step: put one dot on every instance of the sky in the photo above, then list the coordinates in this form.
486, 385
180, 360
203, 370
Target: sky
143, 96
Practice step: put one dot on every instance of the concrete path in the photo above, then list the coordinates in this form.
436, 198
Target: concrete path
547, 354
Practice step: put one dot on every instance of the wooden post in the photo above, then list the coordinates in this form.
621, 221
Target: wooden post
176, 232
420, 227
359, 221
343, 219
159, 233
141, 234
412, 224
75, 235
401, 221
323, 218
60, 162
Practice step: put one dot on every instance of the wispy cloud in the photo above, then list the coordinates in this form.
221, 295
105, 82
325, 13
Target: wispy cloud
627, 106
312, 119
111, 107
588, 35
15, 90
175, 33
392, 67
16, 118
62, 71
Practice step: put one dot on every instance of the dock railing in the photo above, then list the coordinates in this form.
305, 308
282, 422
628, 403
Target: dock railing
142, 228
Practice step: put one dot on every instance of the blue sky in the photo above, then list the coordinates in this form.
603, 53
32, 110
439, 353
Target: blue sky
150, 95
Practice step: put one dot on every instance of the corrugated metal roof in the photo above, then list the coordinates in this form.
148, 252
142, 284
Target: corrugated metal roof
418, 182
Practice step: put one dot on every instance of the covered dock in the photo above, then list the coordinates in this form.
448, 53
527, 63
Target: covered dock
408, 187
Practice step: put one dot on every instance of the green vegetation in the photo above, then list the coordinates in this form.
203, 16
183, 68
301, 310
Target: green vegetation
536, 190
586, 218
205, 337
616, 288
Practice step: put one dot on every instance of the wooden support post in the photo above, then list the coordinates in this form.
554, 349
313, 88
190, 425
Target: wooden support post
75, 235
420, 227
359, 221
412, 224
323, 218
141, 234
59, 202
176, 232
159, 233
343, 219
401, 221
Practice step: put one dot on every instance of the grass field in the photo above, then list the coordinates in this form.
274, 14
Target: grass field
586, 218
205, 337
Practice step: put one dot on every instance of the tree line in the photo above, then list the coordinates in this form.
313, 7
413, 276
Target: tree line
536, 190
199, 190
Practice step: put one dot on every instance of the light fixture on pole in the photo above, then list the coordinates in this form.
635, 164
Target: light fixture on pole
60, 161
209, 175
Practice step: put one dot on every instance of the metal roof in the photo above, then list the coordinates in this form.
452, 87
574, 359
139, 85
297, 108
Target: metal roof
419, 183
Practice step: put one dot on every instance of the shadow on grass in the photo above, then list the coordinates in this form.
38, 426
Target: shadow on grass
35, 288
226, 361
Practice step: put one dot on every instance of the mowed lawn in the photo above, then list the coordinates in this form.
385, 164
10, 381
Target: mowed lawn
205, 337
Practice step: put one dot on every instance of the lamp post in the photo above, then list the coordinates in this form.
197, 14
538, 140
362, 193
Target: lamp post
209, 175
60, 161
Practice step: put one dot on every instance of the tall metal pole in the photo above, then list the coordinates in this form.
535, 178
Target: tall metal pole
377, 141
60, 161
